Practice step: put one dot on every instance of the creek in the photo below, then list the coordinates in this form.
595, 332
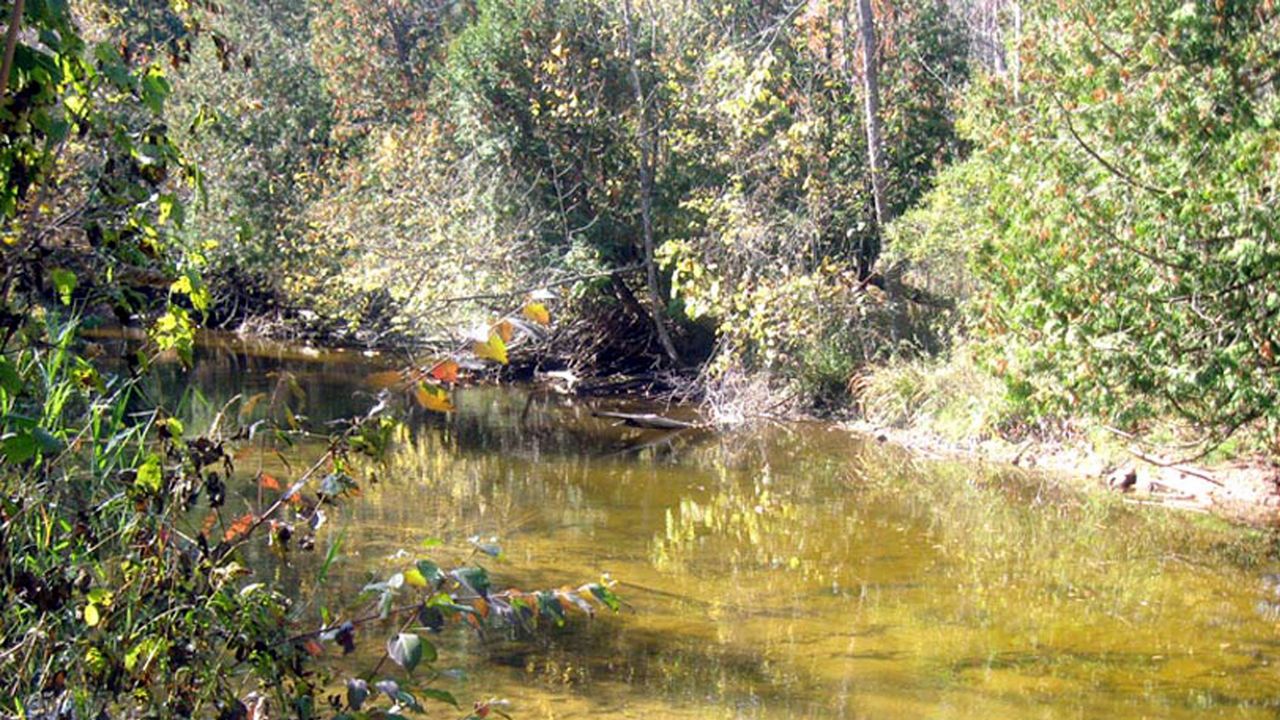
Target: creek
776, 571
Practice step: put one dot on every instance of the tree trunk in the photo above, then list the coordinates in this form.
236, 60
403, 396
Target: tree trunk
10, 46
647, 142
1017, 53
875, 141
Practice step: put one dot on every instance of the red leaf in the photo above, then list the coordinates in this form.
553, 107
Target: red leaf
445, 371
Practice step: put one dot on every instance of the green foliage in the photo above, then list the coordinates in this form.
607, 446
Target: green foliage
542, 88
127, 581
108, 602
250, 109
89, 190
776, 219
472, 146
951, 395
936, 241
1129, 253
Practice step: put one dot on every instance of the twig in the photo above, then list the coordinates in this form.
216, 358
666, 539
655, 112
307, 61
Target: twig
1173, 465
284, 498
1126, 177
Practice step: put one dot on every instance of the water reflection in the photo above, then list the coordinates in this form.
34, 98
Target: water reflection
792, 571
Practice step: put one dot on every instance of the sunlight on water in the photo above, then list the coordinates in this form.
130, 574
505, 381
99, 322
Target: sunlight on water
789, 571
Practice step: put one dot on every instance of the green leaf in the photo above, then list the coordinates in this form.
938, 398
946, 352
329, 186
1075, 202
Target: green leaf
155, 88
336, 483
330, 556
47, 442
439, 695
10, 381
64, 281
150, 476
20, 448
174, 427
549, 606
605, 595
357, 692
431, 572
475, 579
408, 700
407, 650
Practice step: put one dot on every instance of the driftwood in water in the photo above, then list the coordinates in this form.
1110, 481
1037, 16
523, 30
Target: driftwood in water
648, 421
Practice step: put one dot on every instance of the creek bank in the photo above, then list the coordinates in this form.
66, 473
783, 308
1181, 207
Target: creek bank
1245, 490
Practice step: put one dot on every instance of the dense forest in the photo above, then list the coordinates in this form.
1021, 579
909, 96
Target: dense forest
1011, 218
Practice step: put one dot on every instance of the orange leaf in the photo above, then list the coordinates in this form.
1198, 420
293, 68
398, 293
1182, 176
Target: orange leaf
239, 527
433, 398
537, 312
445, 371
482, 607
207, 525
505, 330
313, 648
266, 482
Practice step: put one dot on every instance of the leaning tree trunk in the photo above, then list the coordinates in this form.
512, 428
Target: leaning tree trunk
647, 142
875, 139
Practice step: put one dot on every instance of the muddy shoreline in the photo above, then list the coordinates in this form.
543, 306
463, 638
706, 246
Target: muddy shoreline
1243, 491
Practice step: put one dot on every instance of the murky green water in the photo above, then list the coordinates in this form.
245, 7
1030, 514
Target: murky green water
789, 570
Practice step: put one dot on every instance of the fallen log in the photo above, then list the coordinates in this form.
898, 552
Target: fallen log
648, 421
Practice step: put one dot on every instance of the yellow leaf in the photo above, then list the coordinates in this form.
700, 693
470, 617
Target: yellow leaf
91, 616
433, 398
537, 312
495, 349
415, 578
